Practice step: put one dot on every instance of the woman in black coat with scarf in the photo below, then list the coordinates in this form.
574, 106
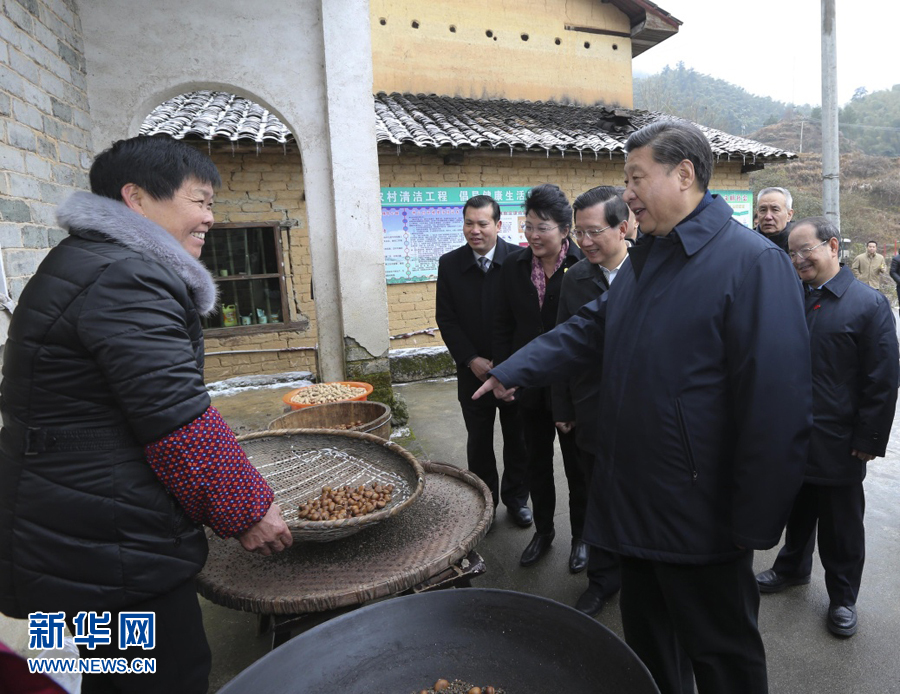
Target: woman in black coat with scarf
111, 456
527, 305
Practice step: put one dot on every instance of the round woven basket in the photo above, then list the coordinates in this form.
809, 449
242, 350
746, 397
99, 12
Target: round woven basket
375, 418
434, 533
297, 463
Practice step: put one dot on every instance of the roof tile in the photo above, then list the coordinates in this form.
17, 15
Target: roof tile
428, 120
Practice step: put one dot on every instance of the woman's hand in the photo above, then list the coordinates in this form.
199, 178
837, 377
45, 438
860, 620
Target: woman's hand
565, 427
500, 391
269, 535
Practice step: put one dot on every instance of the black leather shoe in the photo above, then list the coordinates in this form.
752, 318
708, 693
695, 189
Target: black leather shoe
770, 581
590, 603
578, 559
538, 546
521, 516
842, 620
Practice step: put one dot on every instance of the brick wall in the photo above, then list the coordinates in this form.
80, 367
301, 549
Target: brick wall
411, 306
45, 142
267, 186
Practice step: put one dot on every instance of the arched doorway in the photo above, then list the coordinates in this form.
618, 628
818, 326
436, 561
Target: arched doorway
259, 251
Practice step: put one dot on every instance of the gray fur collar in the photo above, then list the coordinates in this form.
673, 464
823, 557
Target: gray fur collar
114, 219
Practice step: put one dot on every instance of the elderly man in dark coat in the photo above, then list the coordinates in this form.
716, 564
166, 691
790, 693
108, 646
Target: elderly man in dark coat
773, 213
855, 377
704, 415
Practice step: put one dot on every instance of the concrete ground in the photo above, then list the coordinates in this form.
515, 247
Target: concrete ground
802, 655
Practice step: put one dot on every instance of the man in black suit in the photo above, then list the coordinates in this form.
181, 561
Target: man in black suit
602, 222
466, 288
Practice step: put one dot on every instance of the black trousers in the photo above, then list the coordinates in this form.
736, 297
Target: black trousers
479, 416
688, 622
183, 658
540, 430
839, 513
603, 570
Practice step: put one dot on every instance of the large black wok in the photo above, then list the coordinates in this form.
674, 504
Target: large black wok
523, 643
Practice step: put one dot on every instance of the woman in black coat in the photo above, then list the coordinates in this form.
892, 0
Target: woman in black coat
527, 304
111, 457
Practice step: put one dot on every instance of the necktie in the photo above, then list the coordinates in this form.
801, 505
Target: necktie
484, 264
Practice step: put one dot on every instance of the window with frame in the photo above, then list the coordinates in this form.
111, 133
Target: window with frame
246, 261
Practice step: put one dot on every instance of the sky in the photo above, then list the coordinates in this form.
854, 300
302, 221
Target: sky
774, 47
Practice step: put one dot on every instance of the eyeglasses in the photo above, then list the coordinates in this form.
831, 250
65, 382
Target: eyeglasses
803, 253
593, 233
528, 230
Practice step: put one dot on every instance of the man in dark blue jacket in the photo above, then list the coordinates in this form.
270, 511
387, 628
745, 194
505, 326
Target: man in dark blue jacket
467, 284
855, 370
602, 220
704, 415
774, 212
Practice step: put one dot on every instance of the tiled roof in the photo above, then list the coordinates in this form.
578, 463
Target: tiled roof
444, 121
213, 116
435, 121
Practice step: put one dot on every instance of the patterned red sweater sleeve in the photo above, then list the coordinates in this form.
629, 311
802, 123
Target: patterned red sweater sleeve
204, 467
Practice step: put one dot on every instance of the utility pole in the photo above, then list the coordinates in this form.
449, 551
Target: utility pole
831, 160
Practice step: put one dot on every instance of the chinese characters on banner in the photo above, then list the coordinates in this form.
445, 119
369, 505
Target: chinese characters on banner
741, 202
421, 224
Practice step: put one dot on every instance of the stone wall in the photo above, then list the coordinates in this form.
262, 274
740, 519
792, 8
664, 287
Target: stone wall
45, 142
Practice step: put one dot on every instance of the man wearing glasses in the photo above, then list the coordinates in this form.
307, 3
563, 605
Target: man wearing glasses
855, 377
704, 418
602, 221
467, 285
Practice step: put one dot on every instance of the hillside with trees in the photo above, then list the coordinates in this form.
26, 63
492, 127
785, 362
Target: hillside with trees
713, 102
870, 195
869, 144
869, 122
872, 121
870, 169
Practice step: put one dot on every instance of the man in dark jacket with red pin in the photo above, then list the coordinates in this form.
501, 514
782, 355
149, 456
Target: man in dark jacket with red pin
855, 370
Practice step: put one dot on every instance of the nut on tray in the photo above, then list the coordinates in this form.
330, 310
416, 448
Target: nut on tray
298, 463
